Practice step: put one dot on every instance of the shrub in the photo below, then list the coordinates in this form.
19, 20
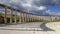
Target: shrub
1, 19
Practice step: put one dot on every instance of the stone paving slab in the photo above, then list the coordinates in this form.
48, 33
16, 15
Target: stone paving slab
43, 30
26, 32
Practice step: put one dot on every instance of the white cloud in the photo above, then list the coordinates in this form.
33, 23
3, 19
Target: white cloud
32, 4
52, 12
42, 8
14, 1
26, 5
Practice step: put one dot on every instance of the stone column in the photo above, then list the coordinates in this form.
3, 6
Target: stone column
28, 17
34, 18
5, 18
31, 18
39, 18
15, 17
25, 17
11, 16
20, 19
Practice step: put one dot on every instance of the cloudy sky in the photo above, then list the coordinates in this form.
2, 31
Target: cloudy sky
42, 7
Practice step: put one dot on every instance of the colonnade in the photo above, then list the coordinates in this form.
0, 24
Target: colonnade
23, 16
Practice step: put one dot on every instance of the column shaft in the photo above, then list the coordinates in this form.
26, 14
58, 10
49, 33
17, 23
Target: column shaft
20, 19
11, 16
5, 18
23, 17
15, 17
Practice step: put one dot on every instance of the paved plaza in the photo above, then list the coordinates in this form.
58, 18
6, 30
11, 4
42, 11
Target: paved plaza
31, 28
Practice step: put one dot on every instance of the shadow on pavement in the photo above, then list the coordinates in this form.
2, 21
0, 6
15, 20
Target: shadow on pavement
42, 26
45, 28
2, 25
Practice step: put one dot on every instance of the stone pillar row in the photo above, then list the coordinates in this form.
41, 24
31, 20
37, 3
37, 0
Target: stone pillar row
22, 18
